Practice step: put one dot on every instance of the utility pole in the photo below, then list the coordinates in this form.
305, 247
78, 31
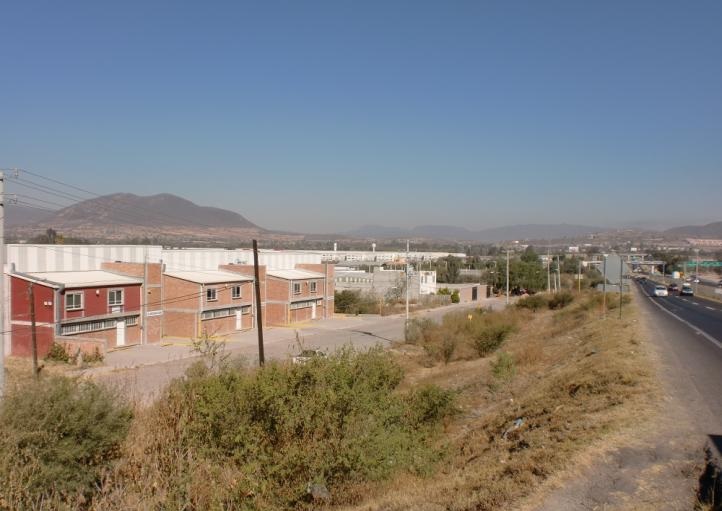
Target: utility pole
559, 272
696, 273
406, 324
621, 285
33, 330
2, 284
507, 276
144, 304
579, 277
259, 313
549, 272
604, 288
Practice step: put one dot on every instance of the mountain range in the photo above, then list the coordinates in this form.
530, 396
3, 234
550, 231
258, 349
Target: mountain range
167, 217
449, 232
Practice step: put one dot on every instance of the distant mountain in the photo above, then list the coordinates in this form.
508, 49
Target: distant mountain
713, 230
125, 216
20, 215
153, 211
449, 232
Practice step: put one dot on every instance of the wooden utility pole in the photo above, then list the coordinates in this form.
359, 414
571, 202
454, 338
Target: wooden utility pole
33, 331
259, 313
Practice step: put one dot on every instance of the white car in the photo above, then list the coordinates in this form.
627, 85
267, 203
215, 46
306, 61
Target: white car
660, 291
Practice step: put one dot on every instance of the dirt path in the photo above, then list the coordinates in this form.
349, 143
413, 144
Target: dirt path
655, 464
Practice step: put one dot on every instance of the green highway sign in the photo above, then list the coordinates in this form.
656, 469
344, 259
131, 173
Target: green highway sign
704, 264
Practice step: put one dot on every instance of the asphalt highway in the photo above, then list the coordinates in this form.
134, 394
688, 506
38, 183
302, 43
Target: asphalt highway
702, 315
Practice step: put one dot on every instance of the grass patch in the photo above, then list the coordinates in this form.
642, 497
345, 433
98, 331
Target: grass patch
463, 335
533, 302
568, 379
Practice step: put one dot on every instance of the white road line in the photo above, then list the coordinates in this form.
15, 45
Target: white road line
695, 303
700, 332
685, 299
710, 308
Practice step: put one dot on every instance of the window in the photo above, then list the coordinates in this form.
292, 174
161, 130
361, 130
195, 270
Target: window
115, 297
211, 294
94, 326
313, 287
73, 301
296, 288
236, 292
224, 313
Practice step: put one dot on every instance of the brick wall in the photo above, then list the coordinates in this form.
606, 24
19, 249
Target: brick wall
153, 292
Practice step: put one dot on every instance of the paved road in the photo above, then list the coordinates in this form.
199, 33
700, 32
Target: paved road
688, 331
700, 313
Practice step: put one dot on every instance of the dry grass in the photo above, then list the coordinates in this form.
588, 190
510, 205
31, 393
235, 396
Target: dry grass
578, 379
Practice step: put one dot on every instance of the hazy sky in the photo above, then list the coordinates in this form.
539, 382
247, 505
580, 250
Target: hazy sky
320, 116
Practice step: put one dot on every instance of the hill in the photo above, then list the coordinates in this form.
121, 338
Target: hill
712, 230
126, 216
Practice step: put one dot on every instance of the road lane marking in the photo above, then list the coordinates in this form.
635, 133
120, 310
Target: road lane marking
695, 303
710, 308
685, 299
697, 330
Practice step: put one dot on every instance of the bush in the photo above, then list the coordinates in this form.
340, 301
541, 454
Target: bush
354, 302
59, 436
560, 300
261, 437
532, 302
490, 337
503, 368
455, 298
57, 353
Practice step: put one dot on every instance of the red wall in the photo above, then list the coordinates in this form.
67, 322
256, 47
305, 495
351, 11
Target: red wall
97, 305
20, 301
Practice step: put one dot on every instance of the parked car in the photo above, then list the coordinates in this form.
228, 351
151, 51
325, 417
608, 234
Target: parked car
660, 291
686, 291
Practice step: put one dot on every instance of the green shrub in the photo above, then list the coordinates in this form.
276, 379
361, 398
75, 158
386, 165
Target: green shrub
59, 436
490, 337
455, 298
57, 353
335, 420
503, 368
560, 300
532, 302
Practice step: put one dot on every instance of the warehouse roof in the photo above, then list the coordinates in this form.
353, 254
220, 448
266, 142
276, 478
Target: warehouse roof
295, 274
78, 279
209, 276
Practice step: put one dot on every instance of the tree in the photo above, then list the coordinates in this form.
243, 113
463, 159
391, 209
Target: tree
529, 255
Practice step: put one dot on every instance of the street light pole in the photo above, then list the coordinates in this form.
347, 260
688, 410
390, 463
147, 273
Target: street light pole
507, 277
696, 272
604, 287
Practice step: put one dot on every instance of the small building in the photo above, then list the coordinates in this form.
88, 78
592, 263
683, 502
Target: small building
468, 293
212, 302
81, 309
301, 294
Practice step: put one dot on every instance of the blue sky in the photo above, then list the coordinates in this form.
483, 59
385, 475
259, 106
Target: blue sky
322, 116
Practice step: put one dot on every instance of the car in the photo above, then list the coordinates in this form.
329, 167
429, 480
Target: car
686, 291
719, 284
673, 288
660, 291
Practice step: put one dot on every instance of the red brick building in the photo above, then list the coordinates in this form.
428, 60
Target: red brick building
299, 295
81, 309
213, 302
151, 274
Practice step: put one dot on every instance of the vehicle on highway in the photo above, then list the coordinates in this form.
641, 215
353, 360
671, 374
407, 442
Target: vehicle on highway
660, 291
719, 284
673, 288
686, 291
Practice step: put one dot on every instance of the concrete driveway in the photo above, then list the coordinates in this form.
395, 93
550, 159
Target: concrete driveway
141, 372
